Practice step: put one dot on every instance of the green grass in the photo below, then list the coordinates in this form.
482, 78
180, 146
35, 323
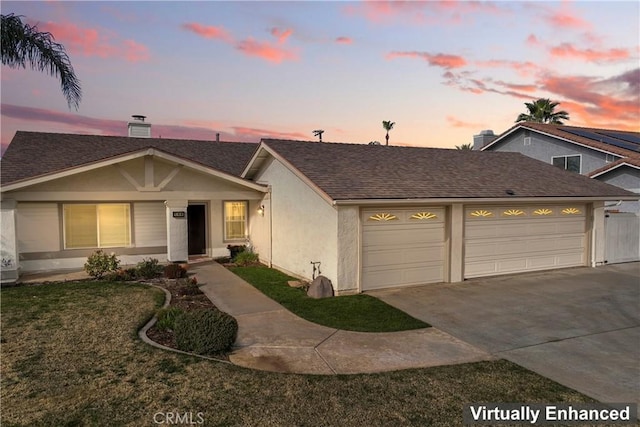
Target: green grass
71, 357
361, 313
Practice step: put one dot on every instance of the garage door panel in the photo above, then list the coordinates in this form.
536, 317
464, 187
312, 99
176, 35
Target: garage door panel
387, 257
539, 238
402, 247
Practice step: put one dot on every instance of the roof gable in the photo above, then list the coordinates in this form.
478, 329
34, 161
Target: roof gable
36, 154
358, 171
620, 143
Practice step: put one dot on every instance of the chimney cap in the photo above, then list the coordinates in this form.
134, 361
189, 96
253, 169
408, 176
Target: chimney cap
138, 117
487, 132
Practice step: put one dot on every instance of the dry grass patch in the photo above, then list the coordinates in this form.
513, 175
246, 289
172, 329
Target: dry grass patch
70, 356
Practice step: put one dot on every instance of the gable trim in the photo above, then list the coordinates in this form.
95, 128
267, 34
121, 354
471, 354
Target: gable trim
255, 164
606, 171
131, 156
439, 202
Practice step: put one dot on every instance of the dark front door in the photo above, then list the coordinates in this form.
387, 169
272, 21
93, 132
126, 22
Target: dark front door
196, 224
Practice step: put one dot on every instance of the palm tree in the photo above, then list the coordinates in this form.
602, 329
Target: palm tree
542, 111
464, 147
387, 125
22, 44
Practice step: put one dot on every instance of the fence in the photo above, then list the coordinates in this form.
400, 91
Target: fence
622, 237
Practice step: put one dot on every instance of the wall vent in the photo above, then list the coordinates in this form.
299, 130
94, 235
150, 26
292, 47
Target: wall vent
138, 128
527, 140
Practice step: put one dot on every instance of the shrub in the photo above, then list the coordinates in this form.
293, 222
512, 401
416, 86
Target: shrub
99, 263
245, 258
189, 286
148, 269
234, 250
174, 271
122, 275
167, 317
205, 331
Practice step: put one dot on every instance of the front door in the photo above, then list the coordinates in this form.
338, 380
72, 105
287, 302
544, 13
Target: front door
196, 223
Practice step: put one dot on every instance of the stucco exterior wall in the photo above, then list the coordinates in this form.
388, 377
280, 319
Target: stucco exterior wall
260, 228
349, 243
627, 178
304, 225
543, 148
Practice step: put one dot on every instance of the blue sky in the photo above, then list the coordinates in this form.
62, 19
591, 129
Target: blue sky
442, 70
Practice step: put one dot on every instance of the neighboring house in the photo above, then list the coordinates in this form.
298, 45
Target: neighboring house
373, 216
608, 155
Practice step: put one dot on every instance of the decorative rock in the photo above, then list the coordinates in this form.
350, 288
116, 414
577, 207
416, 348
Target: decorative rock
295, 283
321, 287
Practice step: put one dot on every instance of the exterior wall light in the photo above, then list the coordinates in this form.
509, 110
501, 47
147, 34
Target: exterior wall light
261, 210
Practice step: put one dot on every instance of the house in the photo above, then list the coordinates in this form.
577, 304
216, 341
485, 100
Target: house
372, 216
608, 155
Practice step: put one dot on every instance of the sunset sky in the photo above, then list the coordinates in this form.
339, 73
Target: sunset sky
442, 70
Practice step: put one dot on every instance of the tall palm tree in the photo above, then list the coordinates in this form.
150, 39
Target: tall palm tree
22, 44
543, 111
387, 125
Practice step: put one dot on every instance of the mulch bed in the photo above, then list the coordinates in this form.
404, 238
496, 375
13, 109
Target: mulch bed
184, 296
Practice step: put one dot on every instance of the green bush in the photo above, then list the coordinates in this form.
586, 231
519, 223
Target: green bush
245, 258
99, 263
205, 331
148, 269
174, 271
167, 317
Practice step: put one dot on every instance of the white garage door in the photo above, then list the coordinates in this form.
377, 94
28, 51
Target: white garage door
402, 247
513, 239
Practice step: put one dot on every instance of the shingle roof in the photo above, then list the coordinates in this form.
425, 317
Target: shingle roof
356, 171
626, 160
569, 133
33, 154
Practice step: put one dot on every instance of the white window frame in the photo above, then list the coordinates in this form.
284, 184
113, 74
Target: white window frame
246, 220
99, 246
566, 158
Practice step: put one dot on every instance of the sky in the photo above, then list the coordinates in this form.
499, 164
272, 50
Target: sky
441, 70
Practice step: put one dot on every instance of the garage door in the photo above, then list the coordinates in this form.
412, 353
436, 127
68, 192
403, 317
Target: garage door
402, 247
512, 239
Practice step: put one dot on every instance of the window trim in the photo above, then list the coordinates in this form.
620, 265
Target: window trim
128, 243
225, 237
566, 156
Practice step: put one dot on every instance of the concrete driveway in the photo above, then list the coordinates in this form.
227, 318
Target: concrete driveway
579, 327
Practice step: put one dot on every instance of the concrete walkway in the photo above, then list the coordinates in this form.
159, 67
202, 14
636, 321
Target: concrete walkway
272, 338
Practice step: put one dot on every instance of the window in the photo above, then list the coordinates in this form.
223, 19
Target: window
97, 226
235, 220
570, 163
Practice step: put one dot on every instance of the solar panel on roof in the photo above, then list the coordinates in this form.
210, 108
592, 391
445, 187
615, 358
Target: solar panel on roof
604, 139
629, 137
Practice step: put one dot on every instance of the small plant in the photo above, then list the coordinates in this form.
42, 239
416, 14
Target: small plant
99, 263
167, 318
208, 331
174, 271
122, 275
245, 258
148, 269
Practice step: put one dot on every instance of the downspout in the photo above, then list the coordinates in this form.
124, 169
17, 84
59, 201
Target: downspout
270, 228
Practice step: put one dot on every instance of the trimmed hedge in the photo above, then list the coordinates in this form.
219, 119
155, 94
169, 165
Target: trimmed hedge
205, 331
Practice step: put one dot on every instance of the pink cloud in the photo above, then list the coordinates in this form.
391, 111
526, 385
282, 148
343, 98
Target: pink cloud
567, 20
567, 50
281, 35
266, 50
255, 133
344, 40
94, 42
525, 69
208, 31
532, 40
457, 123
438, 60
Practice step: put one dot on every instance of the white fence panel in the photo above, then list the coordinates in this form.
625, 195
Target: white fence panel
622, 235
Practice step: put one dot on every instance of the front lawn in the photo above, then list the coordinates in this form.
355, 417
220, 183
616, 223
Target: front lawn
361, 313
71, 357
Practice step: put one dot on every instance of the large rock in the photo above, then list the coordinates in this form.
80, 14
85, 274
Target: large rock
321, 287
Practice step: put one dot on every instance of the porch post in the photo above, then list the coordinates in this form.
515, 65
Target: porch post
177, 232
8, 242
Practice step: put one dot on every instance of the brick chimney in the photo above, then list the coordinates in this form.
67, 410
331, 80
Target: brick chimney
485, 137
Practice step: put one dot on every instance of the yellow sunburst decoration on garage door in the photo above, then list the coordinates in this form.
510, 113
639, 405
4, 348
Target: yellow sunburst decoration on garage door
382, 217
424, 215
543, 211
513, 212
481, 213
571, 211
